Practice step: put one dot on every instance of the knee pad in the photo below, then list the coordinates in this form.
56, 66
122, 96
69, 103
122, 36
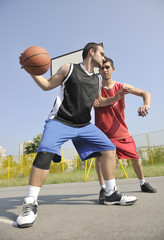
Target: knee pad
43, 160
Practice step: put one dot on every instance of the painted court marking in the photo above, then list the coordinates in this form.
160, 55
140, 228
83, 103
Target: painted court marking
7, 221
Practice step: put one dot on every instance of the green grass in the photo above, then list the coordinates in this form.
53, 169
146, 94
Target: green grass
78, 176
149, 171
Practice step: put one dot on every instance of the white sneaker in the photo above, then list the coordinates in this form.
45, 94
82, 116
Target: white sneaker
28, 214
119, 199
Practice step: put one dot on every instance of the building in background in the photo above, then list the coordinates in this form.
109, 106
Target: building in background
22, 147
2, 152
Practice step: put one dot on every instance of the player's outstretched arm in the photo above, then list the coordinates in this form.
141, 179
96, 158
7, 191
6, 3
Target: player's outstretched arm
102, 102
55, 80
52, 82
143, 110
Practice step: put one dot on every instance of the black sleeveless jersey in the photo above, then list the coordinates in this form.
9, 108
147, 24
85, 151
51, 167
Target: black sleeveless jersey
76, 96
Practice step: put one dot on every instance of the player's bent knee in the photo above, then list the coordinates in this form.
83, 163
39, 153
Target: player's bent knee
108, 153
43, 160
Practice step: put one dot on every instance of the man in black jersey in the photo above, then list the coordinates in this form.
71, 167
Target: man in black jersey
70, 119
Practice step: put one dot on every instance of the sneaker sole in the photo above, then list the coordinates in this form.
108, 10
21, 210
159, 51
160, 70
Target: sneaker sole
120, 203
26, 225
148, 191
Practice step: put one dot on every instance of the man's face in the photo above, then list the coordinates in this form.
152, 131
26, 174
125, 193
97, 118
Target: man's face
98, 57
106, 70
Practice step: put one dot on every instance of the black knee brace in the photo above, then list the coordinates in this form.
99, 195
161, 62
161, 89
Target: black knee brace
43, 160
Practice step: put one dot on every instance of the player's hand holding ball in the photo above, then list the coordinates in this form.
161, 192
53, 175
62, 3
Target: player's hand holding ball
20, 59
35, 60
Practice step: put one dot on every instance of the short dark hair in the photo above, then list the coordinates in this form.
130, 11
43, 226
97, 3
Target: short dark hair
88, 46
109, 60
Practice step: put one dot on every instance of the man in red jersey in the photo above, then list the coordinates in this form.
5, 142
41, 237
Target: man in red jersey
111, 120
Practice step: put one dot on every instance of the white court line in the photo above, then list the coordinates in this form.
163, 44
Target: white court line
7, 221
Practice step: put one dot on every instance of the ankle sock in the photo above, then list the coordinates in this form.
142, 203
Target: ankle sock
33, 192
142, 182
110, 185
102, 186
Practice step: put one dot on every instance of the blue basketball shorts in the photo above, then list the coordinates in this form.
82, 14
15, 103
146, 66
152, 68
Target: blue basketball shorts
89, 141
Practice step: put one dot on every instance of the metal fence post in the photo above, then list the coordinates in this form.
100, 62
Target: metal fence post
62, 162
85, 175
151, 154
9, 165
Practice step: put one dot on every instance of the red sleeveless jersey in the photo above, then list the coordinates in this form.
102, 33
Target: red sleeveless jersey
111, 119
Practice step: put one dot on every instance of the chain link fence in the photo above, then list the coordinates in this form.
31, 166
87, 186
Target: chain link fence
150, 147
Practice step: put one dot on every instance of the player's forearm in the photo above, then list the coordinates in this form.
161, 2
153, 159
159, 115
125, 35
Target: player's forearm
110, 100
143, 110
54, 81
147, 98
42, 82
103, 102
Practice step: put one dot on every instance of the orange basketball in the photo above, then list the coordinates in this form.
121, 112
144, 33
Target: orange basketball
35, 60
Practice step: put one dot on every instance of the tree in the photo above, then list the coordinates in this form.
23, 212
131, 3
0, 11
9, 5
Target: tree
158, 154
31, 147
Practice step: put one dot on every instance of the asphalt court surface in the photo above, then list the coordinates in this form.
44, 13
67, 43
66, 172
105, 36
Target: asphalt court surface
71, 212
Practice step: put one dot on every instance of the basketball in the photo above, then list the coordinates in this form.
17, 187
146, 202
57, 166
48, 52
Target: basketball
35, 60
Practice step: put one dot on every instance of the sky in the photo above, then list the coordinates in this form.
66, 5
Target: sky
133, 35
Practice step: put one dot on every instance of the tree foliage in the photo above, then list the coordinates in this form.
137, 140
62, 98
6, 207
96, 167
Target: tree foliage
31, 147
